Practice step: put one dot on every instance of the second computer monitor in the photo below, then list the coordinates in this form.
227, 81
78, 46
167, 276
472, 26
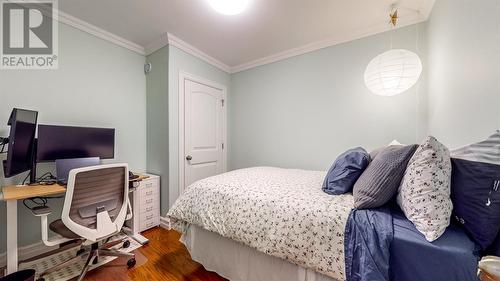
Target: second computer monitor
64, 166
65, 142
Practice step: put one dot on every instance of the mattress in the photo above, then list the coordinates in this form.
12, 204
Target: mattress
237, 262
279, 212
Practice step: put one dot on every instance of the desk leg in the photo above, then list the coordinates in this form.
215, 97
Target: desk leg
11, 236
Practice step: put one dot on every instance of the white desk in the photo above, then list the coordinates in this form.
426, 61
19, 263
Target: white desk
10, 194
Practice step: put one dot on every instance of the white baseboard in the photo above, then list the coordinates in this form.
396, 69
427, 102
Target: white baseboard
27, 252
165, 223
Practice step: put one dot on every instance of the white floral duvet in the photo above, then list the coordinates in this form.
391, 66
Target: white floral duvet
280, 212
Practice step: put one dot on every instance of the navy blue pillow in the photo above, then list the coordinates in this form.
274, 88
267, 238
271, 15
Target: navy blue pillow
475, 194
495, 248
345, 171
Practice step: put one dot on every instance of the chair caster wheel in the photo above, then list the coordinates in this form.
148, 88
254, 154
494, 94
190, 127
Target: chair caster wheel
126, 244
131, 263
79, 252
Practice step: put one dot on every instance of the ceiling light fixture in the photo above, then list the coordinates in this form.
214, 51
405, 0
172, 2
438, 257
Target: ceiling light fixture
229, 7
395, 71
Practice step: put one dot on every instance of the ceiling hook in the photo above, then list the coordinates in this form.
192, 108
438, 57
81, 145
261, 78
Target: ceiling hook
394, 14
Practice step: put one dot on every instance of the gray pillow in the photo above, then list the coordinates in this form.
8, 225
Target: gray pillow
374, 153
379, 183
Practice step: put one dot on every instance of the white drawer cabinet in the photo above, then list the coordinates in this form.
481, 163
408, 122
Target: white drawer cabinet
146, 204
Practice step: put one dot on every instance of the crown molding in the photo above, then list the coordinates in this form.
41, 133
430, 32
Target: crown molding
157, 44
170, 39
89, 28
427, 8
351, 36
163, 40
190, 49
99, 32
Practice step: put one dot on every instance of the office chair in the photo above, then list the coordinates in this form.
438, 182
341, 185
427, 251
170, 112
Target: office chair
95, 207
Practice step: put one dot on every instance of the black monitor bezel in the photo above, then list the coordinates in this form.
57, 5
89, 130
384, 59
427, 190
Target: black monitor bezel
7, 164
44, 160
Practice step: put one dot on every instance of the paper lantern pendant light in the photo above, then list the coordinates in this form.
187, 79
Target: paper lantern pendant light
393, 72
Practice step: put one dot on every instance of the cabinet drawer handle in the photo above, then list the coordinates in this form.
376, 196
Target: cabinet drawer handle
149, 184
149, 209
149, 193
149, 201
149, 217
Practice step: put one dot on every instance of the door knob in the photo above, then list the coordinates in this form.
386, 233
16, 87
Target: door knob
189, 157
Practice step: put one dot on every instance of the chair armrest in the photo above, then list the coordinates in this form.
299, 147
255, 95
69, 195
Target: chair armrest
43, 214
39, 211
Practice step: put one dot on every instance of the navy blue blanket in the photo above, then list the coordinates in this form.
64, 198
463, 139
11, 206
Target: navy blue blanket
368, 237
383, 245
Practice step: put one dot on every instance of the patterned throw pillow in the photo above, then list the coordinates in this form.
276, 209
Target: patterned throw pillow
424, 194
380, 181
475, 189
345, 171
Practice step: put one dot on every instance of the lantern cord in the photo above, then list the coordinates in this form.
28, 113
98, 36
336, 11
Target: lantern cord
393, 27
418, 38
392, 31
393, 19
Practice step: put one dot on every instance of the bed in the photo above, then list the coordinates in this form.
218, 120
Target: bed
238, 262
278, 223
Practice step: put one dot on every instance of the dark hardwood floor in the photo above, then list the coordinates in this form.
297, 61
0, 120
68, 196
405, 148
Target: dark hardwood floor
164, 258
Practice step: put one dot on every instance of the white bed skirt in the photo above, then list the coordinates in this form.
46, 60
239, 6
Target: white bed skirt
237, 262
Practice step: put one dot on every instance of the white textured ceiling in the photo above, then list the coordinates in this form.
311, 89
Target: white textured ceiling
266, 28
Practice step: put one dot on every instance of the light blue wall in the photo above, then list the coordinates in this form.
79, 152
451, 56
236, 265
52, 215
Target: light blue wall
157, 120
304, 111
181, 61
300, 112
464, 77
97, 84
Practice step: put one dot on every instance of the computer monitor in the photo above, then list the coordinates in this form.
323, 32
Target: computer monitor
65, 142
64, 166
21, 142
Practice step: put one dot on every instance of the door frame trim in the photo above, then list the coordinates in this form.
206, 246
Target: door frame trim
183, 76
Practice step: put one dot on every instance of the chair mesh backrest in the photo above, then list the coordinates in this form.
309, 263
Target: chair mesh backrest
97, 186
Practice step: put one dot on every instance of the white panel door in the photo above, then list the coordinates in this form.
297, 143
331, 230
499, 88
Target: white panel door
203, 131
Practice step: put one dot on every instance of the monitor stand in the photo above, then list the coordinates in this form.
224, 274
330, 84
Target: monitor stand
33, 162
